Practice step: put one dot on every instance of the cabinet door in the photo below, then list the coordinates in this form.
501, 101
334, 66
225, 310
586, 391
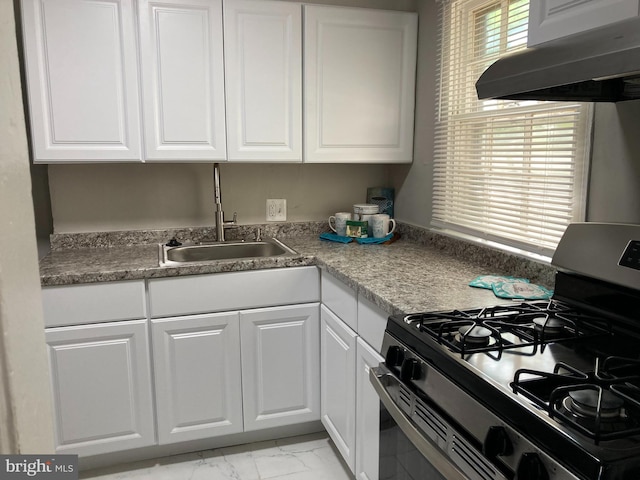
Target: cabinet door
337, 383
359, 73
101, 384
367, 414
198, 376
263, 70
82, 80
280, 365
183, 79
551, 19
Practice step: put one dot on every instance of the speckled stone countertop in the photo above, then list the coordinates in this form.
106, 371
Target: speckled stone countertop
413, 274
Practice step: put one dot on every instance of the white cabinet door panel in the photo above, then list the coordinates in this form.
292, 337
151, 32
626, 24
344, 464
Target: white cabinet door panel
82, 80
552, 19
263, 70
228, 291
198, 376
93, 303
101, 384
340, 298
183, 79
280, 365
359, 74
367, 414
337, 380
372, 321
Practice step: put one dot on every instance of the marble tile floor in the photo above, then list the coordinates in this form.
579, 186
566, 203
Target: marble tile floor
307, 457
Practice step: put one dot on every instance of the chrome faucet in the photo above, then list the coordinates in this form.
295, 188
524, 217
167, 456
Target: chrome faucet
221, 224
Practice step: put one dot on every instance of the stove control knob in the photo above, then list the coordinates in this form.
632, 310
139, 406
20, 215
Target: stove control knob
530, 467
497, 443
410, 370
394, 356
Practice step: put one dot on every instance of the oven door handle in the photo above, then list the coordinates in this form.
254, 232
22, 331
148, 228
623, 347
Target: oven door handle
429, 450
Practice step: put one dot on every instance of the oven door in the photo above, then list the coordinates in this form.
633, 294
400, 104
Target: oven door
416, 443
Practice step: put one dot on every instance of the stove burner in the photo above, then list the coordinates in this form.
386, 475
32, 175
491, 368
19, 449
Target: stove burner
474, 334
551, 325
585, 403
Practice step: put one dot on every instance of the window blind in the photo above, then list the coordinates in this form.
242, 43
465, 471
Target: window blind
509, 171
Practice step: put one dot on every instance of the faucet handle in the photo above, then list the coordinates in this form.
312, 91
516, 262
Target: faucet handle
229, 223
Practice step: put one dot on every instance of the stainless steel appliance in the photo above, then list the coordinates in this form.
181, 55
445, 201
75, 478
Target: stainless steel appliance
599, 65
528, 390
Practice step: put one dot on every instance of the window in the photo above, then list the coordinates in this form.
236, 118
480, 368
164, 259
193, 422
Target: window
508, 171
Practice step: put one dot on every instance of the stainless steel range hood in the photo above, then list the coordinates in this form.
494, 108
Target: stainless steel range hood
600, 65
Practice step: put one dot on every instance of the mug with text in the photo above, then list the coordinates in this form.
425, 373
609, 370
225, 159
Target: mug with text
340, 222
382, 225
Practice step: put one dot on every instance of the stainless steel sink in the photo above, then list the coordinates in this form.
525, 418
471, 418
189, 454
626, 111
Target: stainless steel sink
212, 252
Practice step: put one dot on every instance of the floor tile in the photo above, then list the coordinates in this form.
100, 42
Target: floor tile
308, 457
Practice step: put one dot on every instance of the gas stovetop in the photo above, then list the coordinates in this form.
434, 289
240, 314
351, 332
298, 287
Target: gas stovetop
566, 372
578, 394
503, 327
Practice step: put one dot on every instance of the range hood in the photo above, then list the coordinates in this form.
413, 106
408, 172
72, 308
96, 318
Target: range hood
600, 65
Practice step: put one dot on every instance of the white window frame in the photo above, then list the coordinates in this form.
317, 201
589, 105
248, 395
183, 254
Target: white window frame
499, 217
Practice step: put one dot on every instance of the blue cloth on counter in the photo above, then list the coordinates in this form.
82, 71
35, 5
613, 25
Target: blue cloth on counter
334, 237
487, 281
374, 240
521, 290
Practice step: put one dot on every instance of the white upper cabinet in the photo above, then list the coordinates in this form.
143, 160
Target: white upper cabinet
359, 75
183, 79
82, 80
552, 19
263, 70
196, 80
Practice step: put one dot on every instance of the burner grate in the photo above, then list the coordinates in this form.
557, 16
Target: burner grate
602, 405
530, 324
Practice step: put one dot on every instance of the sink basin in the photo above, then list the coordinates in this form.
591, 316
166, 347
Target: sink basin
211, 252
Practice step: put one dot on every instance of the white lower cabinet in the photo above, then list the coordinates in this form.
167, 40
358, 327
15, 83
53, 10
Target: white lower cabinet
101, 384
351, 334
230, 353
197, 373
338, 373
280, 365
224, 373
367, 414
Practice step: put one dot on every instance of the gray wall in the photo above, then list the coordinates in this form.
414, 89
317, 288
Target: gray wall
614, 189
88, 198
413, 183
26, 425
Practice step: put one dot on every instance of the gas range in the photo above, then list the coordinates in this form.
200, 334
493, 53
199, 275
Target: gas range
559, 380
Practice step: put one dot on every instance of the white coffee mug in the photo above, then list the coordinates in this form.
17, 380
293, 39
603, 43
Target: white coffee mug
340, 222
380, 224
365, 217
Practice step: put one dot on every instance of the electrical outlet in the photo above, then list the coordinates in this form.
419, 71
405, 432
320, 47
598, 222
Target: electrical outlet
276, 209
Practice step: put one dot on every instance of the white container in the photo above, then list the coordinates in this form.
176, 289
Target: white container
360, 209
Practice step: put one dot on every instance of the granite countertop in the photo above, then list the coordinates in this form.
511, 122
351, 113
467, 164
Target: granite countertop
402, 277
